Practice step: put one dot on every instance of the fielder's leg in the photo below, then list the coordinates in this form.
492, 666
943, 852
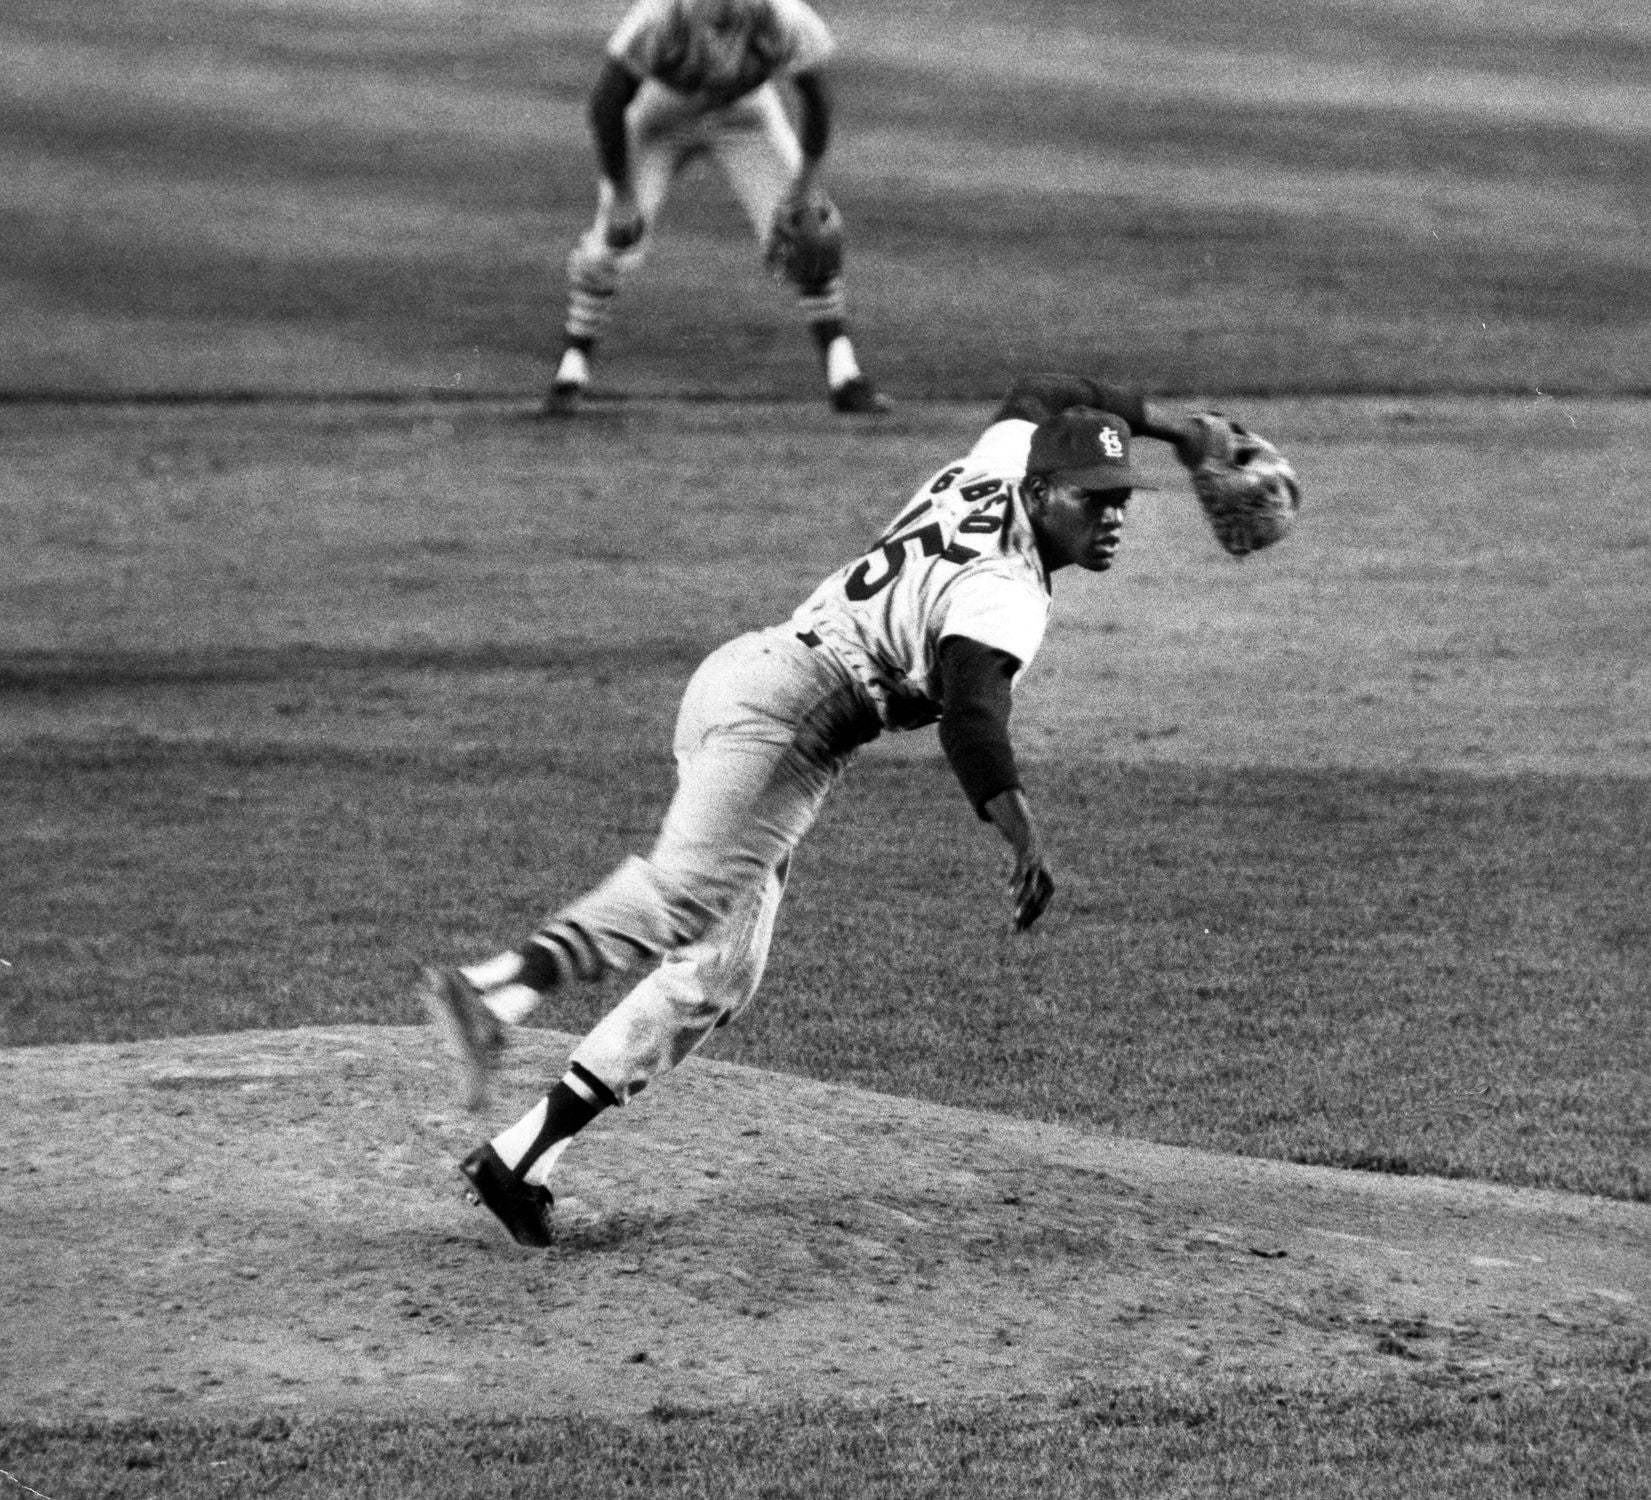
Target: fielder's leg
759, 153
596, 270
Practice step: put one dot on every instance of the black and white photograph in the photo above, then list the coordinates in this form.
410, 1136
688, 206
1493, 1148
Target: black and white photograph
794, 748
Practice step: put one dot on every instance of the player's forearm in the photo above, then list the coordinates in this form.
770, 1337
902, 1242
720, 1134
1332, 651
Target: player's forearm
615, 87
1036, 398
1011, 814
1175, 428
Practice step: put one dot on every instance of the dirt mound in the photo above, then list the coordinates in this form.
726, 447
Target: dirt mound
260, 1219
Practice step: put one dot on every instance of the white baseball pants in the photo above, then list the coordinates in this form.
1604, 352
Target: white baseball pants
753, 143
766, 729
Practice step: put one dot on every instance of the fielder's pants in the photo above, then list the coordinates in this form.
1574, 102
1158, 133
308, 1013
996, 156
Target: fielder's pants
766, 728
753, 143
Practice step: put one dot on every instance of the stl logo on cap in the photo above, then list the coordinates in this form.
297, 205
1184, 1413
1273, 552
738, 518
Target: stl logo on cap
1085, 447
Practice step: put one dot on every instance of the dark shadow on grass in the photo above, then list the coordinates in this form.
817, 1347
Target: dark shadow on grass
86, 671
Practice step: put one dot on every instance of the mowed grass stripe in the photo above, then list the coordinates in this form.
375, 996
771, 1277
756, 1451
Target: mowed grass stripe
1409, 972
1243, 202
1221, 1437
79, 672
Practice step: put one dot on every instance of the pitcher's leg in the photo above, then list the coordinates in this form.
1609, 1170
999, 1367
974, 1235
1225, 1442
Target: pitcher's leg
740, 808
692, 992
764, 732
707, 858
752, 779
650, 1031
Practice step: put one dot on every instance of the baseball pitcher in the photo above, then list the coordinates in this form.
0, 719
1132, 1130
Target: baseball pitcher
684, 79
937, 622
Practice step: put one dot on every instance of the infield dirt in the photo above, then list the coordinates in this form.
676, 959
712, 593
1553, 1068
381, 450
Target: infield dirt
271, 1220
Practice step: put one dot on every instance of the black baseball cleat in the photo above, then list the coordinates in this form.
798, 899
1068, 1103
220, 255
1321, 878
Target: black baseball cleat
520, 1206
471, 1033
859, 397
564, 398
568, 390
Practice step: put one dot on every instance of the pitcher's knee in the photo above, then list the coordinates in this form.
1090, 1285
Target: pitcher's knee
689, 982
639, 912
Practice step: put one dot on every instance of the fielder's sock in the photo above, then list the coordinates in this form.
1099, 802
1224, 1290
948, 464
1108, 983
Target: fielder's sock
532, 1146
826, 330
574, 369
840, 363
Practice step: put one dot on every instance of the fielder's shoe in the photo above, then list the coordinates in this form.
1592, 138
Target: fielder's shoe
520, 1206
860, 397
471, 1033
572, 377
564, 398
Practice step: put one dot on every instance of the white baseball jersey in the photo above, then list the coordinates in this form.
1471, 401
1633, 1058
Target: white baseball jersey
961, 559
666, 40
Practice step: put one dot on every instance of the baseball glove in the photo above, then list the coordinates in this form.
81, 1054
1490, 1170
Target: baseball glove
805, 241
1248, 491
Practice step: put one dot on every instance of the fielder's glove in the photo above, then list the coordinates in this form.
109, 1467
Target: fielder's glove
805, 241
1249, 492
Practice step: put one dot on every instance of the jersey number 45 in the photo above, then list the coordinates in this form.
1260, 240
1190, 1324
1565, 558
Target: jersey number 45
931, 539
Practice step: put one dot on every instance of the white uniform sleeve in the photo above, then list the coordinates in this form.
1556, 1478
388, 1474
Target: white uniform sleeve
636, 41
803, 40
808, 40
1003, 447
1009, 614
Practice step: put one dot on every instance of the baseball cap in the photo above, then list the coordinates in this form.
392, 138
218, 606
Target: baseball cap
1086, 447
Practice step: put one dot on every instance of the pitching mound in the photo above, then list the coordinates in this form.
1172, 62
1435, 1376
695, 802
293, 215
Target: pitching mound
272, 1219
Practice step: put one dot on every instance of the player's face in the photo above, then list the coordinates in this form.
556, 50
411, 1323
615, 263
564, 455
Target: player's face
728, 19
1076, 525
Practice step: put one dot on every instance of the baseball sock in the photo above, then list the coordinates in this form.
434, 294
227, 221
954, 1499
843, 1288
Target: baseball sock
532, 1146
501, 992
573, 369
840, 363
512, 983
836, 350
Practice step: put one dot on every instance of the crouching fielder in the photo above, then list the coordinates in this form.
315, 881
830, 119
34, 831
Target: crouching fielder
685, 80
936, 622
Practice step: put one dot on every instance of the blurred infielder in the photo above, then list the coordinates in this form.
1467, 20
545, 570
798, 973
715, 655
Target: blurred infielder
689, 78
937, 622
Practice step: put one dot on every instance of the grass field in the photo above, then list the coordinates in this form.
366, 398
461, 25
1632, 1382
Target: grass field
1274, 195
1351, 838
1416, 966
